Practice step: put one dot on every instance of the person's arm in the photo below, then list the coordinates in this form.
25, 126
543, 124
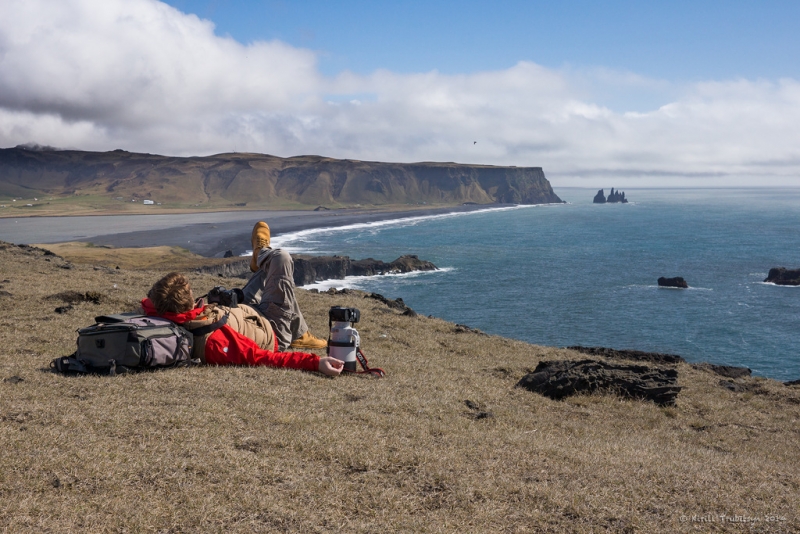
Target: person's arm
227, 347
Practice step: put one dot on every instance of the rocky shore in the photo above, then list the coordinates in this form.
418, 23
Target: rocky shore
310, 269
635, 442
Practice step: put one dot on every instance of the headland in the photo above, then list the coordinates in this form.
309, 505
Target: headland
445, 439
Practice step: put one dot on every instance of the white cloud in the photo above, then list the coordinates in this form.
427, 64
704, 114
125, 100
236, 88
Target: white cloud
140, 75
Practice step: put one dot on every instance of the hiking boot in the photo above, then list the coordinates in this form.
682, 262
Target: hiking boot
307, 341
260, 239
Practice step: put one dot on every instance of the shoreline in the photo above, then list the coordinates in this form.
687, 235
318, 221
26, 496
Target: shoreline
208, 234
214, 240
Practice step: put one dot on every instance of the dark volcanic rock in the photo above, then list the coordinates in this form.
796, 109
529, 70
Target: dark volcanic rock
600, 197
792, 382
613, 197
559, 379
234, 269
616, 196
728, 371
636, 355
673, 282
783, 276
462, 329
411, 262
396, 304
403, 264
309, 269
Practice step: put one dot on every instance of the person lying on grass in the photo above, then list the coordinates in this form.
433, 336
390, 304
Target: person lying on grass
227, 336
271, 291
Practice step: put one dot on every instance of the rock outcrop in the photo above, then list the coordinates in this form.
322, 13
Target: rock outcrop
677, 282
563, 378
310, 269
260, 179
613, 197
239, 268
617, 196
396, 304
728, 371
625, 354
783, 276
600, 197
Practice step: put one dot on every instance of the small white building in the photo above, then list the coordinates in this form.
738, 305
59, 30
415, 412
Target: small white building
148, 202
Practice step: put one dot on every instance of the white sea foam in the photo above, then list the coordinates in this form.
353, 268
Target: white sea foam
650, 286
357, 282
773, 284
300, 241
306, 244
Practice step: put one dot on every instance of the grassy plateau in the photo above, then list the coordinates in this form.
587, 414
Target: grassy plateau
213, 449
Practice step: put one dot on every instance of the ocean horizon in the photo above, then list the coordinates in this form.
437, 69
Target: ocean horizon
586, 274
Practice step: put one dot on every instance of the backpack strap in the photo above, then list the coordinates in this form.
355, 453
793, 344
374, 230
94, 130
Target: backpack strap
207, 329
117, 317
68, 364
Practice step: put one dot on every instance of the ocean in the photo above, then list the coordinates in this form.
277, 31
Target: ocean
585, 274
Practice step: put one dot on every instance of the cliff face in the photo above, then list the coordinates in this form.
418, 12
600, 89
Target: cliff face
264, 179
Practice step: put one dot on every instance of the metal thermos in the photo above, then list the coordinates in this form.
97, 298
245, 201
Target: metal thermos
343, 342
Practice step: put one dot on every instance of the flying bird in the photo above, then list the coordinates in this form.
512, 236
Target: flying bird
474, 142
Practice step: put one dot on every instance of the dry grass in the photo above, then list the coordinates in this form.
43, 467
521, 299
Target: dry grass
266, 450
162, 258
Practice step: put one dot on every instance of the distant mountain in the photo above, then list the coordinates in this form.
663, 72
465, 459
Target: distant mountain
259, 179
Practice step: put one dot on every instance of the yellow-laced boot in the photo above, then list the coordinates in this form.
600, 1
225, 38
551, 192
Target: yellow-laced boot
307, 341
260, 239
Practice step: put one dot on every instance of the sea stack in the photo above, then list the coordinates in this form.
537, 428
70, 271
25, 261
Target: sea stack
673, 282
617, 196
613, 197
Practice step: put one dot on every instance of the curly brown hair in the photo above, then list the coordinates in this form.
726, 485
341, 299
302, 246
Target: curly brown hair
172, 294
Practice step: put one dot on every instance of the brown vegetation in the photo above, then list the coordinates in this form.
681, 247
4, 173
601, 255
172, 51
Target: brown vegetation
154, 258
444, 443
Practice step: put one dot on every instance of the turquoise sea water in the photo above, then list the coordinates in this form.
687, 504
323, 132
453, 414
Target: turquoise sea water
585, 274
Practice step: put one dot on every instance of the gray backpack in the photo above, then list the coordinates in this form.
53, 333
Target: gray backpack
127, 341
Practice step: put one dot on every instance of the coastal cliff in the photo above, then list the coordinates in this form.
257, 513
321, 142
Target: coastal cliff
242, 179
446, 438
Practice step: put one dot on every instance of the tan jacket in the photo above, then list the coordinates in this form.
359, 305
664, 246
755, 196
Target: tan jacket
242, 319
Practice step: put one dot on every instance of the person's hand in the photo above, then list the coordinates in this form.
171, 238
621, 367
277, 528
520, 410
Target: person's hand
329, 366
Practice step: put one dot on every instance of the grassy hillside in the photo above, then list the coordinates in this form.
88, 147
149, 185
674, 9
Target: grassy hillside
37, 182
265, 450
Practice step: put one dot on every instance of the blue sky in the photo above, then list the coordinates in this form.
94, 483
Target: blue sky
676, 40
640, 93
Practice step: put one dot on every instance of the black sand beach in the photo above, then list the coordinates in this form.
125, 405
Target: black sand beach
207, 234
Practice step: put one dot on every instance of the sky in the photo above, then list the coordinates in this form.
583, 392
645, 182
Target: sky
599, 94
